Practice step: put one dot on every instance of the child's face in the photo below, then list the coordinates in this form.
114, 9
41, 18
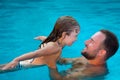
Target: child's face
69, 39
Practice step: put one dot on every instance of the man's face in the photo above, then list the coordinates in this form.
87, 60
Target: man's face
93, 45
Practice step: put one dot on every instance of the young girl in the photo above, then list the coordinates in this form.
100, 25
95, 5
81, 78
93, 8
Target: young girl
64, 33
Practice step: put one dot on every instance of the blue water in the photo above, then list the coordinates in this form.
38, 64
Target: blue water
22, 20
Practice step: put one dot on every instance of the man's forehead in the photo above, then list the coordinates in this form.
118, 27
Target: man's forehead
98, 36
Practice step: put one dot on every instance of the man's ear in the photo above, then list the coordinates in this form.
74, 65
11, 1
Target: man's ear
63, 35
102, 52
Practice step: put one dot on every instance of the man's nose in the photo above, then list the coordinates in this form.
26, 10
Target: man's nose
87, 42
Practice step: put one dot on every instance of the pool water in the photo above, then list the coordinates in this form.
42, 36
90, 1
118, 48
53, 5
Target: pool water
22, 20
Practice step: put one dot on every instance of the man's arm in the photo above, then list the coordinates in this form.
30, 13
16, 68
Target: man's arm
54, 74
69, 60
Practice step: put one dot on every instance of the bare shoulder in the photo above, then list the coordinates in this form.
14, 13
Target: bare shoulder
51, 46
52, 43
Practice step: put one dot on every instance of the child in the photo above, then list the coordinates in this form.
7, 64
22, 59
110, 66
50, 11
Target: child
64, 33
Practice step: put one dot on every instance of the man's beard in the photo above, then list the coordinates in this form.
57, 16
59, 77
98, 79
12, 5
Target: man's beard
86, 55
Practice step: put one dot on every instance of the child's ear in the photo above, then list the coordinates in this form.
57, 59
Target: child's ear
64, 34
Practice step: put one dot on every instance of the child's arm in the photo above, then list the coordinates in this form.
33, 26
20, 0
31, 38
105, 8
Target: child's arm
42, 38
50, 48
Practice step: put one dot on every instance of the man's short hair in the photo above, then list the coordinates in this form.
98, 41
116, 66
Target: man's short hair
110, 43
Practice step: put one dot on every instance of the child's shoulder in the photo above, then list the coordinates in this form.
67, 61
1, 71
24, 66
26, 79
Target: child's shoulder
52, 44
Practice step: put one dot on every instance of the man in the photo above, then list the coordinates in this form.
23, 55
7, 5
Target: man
99, 48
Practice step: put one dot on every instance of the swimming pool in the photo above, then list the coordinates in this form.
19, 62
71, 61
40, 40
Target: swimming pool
22, 20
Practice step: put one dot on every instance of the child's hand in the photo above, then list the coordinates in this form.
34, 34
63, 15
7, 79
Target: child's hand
42, 38
10, 65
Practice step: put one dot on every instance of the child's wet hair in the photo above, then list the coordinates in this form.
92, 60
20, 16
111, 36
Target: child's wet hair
63, 24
